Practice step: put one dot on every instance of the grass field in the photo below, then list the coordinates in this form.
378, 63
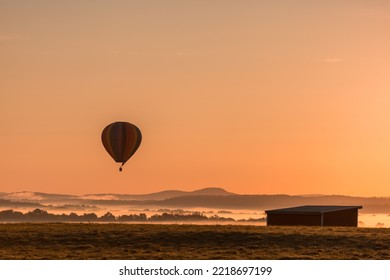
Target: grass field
155, 241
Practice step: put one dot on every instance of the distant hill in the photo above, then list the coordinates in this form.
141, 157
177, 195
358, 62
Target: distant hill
216, 198
15, 204
263, 202
158, 195
211, 191
253, 202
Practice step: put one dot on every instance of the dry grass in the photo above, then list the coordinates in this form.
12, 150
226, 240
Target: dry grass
151, 241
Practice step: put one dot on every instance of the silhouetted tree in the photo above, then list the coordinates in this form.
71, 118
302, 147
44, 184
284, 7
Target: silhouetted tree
108, 217
11, 215
91, 217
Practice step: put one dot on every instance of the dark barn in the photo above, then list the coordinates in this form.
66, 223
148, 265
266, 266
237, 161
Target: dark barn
314, 215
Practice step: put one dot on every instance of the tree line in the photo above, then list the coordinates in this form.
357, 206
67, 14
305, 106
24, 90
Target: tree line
39, 215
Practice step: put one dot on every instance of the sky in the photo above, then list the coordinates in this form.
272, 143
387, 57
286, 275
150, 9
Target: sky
257, 97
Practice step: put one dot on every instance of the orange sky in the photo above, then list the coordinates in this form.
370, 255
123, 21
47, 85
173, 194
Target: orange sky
252, 96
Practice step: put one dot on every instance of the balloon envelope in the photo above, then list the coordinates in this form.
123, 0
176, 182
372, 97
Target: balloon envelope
121, 140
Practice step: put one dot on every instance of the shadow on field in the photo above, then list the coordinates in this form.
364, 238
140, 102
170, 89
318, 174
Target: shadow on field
155, 241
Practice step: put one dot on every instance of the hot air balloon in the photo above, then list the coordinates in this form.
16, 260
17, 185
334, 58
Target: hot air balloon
121, 140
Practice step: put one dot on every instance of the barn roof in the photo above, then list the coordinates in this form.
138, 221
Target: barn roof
311, 209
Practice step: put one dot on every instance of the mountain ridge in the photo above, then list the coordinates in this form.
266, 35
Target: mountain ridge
215, 198
41, 196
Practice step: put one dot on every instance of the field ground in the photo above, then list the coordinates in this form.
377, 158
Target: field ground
155, 241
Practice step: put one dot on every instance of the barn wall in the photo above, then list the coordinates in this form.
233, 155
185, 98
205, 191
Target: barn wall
348, 218
293, 220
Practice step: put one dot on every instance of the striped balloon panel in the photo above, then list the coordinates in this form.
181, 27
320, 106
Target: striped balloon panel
121, 140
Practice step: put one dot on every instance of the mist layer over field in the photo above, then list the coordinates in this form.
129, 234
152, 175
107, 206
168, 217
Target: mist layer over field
212, 216
217, 204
